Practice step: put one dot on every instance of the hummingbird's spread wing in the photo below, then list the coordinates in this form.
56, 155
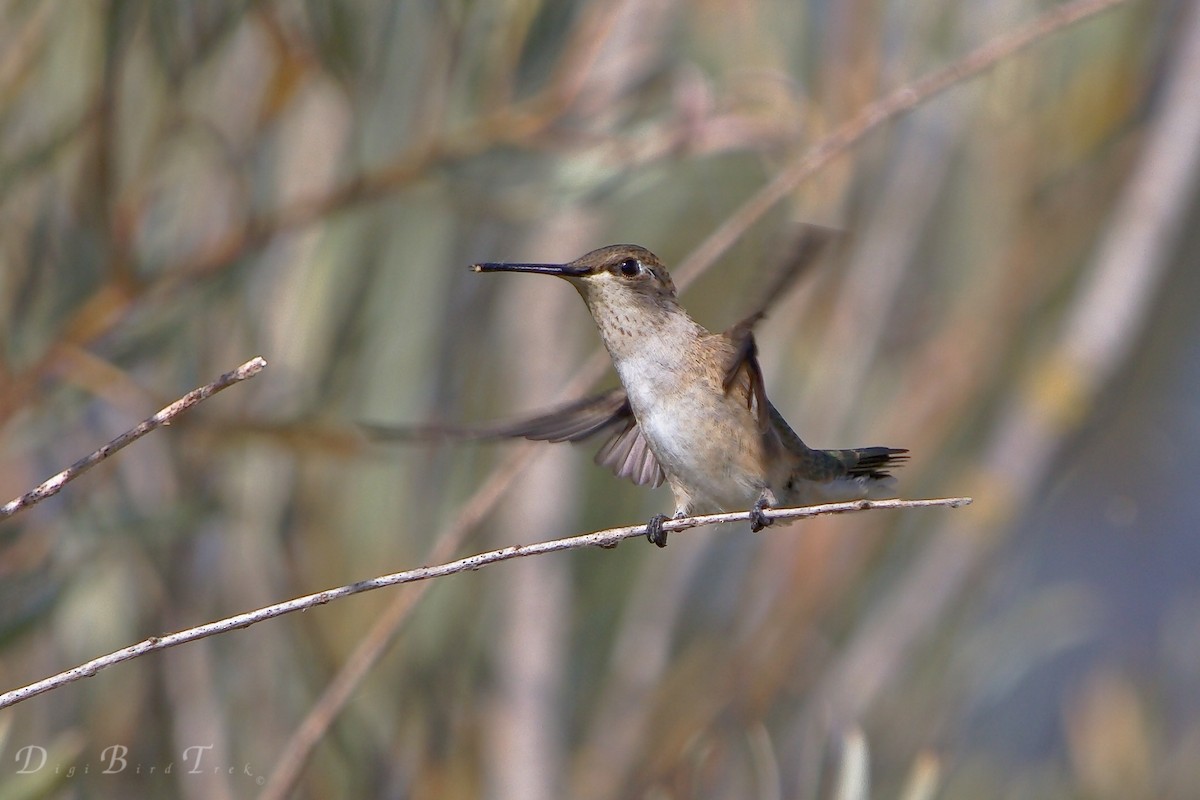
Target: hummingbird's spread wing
628, 455
625, 452
567, 423
572, 422
800, 258
743, 370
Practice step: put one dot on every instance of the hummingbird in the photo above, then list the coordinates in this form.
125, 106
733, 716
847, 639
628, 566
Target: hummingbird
692, 408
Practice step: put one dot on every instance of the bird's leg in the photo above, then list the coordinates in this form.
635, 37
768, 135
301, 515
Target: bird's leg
654, 530
759, 520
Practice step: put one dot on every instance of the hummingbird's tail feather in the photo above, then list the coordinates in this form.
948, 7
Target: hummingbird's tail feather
870, 462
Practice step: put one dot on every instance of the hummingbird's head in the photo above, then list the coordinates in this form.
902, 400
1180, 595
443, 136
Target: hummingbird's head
630, 295
623, 276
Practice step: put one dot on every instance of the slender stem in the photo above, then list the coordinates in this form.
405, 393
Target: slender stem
604, 538
52, 486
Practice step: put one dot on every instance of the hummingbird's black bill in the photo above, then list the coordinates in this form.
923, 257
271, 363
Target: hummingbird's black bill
561, 270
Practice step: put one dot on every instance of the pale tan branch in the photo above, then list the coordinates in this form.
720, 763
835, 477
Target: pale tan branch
874, 115
605, 538
54, 485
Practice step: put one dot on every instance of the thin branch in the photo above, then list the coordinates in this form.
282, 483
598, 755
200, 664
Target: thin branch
604, 538
874, 115
54, 485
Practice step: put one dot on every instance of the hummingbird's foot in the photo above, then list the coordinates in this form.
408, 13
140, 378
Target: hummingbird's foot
654, 530
759, 520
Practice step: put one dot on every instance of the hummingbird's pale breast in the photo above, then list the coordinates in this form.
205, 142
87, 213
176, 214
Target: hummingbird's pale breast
706, 439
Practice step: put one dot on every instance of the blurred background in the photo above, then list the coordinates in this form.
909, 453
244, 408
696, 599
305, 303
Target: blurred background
186, 185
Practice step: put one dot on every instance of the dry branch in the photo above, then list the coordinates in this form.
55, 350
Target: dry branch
885, 109
605, 538
52, 486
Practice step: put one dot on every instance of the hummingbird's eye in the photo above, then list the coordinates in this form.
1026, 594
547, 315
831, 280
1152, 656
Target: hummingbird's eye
630, 267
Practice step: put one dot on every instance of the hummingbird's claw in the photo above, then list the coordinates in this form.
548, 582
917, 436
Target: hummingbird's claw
654, 530
759, 520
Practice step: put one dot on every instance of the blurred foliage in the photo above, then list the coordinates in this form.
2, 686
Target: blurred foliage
184, 185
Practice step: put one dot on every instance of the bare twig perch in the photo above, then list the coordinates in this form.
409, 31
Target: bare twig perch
605, 538
52, 486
